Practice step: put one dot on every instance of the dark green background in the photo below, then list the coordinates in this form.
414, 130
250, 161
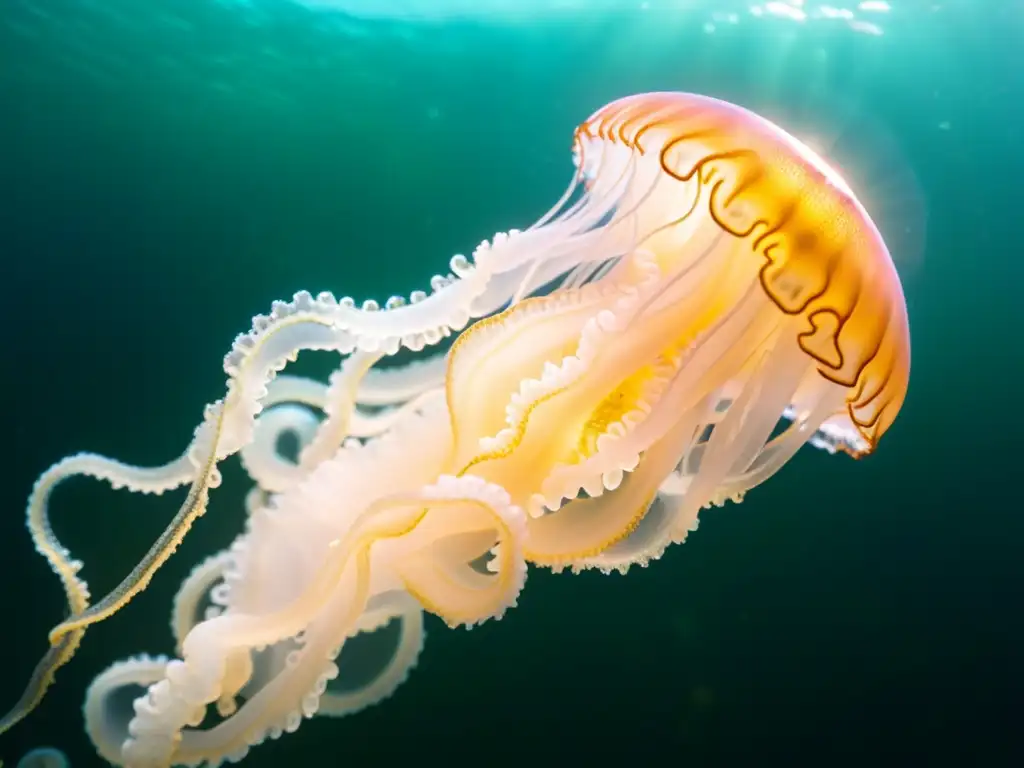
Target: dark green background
170, 167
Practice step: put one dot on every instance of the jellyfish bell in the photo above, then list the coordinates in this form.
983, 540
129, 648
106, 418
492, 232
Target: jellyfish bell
861, 149
709, 185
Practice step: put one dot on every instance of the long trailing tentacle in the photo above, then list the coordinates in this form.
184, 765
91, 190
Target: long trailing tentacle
307, 322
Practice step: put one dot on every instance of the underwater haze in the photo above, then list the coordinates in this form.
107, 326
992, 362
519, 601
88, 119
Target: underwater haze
172, 167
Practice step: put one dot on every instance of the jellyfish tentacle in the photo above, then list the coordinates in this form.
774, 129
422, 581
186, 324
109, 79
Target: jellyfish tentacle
392, 606
580, 530
741, 435
324, 505
480, 367
229, 425
780, 450
145, 480
687, 374
288, 406
339, 406
398, 384
203, 454
197, 586
421, 322
660, 437
602, 324
305, 673
603, 456
317, 438
67, 636
749, 422
827, 436
269, 469
655, 532
106, 727
386, 537
371, 425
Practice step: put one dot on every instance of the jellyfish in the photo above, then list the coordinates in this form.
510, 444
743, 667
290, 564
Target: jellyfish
706, 297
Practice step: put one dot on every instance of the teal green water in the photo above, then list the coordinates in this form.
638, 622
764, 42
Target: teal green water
169, 168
